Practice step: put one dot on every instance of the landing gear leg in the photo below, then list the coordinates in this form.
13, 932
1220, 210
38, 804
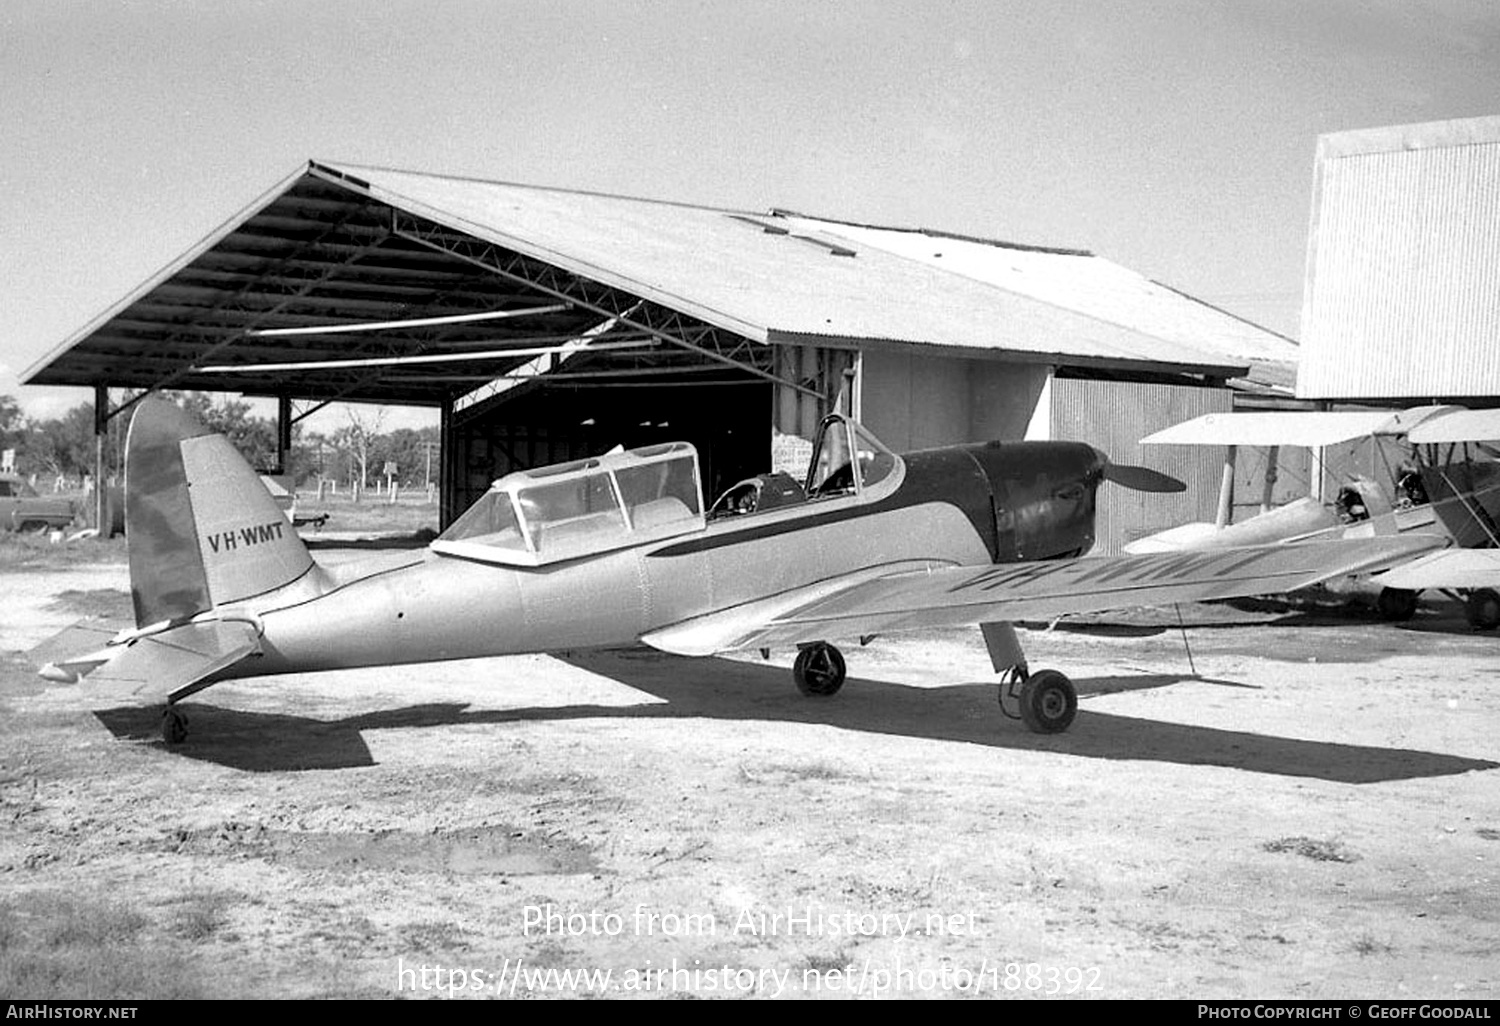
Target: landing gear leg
819, 670
174, 725
1012, 680
1482, 609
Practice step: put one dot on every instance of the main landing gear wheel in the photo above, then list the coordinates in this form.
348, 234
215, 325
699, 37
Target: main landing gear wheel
1482, 608
1396, 604
1048, 702
174, 726
819, 670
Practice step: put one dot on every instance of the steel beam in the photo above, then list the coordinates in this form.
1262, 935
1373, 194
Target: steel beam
660, 321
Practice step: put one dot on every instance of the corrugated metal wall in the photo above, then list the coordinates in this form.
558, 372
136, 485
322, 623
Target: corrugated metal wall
1403, 289
1113, 416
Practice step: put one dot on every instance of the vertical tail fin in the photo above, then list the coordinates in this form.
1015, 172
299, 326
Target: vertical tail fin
202, 530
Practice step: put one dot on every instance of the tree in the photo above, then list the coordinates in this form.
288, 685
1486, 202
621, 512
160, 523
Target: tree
408, 449
357, 439
11, 422
254, 437
65, 445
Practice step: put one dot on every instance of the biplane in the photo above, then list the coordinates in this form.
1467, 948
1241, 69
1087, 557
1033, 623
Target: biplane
1460, 475
1454, 491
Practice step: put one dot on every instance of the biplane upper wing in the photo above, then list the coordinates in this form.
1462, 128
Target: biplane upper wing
1458, 426
1293, 428
938, 596
1451, 568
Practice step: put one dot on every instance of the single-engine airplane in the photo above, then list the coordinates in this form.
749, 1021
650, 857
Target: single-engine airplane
619, 549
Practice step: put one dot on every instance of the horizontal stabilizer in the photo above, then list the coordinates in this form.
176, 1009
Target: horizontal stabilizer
76, 650
169, 665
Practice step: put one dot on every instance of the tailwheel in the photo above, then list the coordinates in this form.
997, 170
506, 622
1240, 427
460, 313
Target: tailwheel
1482, 609
819, 670
1048, 702
1396, 604
174, 725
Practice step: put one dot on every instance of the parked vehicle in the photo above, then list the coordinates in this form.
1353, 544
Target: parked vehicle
22, 509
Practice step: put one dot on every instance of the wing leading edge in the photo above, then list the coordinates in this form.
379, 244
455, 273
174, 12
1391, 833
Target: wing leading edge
945, 596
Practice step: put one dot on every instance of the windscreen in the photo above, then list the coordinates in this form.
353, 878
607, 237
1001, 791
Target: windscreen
490, 521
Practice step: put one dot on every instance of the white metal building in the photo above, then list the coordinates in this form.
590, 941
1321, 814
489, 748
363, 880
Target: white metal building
1402, 299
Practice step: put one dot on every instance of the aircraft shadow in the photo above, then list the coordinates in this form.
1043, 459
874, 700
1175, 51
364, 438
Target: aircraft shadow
722, 689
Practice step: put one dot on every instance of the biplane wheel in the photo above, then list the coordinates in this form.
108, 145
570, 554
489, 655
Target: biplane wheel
819, 670
1396, 604
1482, 609
174, 726
1048, 702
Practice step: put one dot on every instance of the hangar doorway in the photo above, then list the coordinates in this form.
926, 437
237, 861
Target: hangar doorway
728, 422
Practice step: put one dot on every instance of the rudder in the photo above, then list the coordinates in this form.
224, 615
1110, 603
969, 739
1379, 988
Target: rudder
201, 529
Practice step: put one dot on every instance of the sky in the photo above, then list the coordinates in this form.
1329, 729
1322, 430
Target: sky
1175, 137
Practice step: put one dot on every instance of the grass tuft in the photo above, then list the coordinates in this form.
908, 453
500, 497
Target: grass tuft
1312, 848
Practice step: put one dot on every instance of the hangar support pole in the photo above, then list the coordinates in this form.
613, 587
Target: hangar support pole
101, 435
284, 436
447, 471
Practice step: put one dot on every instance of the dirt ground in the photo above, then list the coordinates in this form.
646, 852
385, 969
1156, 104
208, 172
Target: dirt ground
1314, 814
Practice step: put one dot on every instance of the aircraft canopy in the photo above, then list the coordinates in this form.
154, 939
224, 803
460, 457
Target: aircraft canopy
539, 516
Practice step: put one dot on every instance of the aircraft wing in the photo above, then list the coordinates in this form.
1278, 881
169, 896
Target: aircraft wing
1459, 426
1293, 428
938, 596
1451, 568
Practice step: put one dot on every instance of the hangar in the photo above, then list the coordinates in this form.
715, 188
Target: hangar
546, 324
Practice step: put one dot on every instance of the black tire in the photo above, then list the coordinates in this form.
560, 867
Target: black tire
1048, 702
819, 670
1396, 604
32, 527
1482, 608
174, 726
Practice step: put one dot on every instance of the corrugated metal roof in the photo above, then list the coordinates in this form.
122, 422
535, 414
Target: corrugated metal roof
776, 277
1403, 264
320, 249
1078, 281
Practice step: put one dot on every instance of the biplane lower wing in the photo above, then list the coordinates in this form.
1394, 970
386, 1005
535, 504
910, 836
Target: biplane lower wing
1452, 568
944, 596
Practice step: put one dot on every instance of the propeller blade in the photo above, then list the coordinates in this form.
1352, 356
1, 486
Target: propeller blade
1142, 479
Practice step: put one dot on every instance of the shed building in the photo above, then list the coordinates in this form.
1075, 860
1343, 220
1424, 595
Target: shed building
546, 324
1402, 299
